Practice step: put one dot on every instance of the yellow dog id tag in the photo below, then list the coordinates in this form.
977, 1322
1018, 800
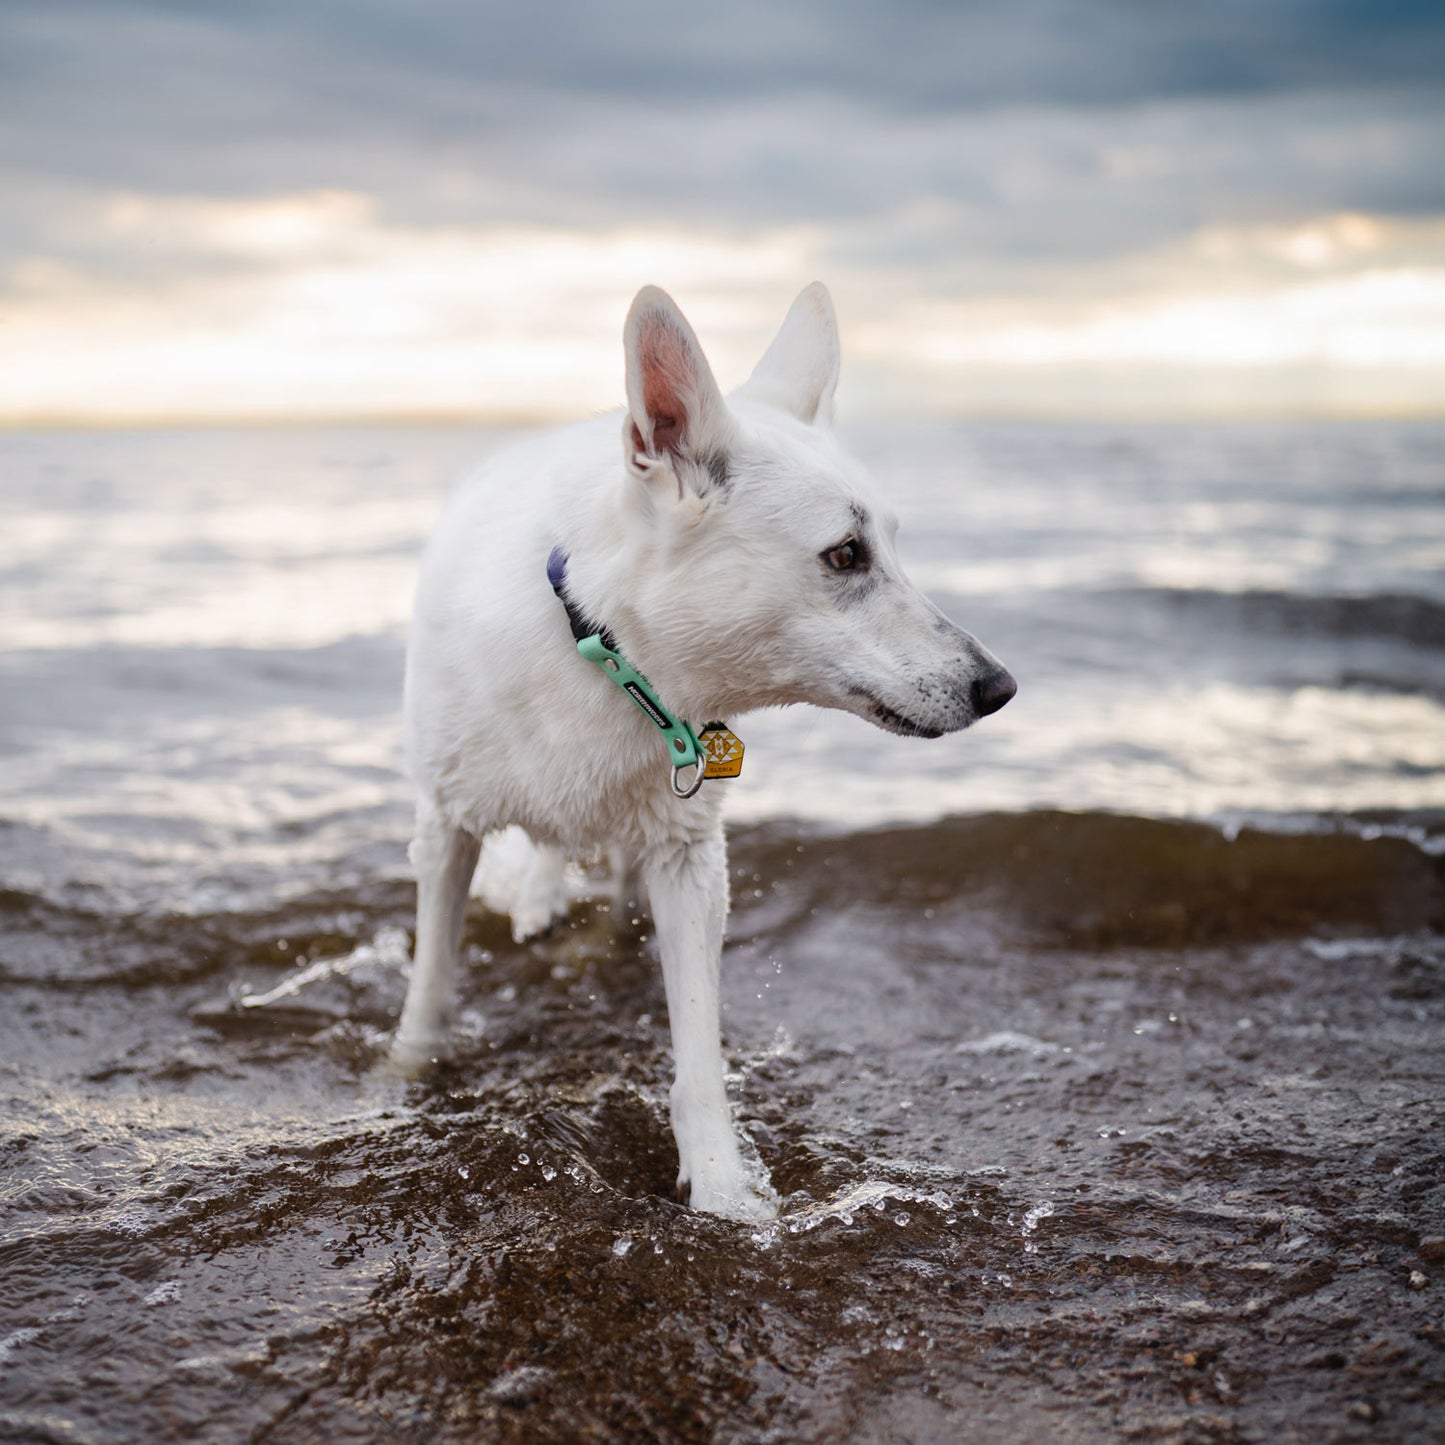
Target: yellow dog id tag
723, 750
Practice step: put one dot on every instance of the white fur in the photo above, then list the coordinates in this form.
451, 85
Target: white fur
525, 880
703, 548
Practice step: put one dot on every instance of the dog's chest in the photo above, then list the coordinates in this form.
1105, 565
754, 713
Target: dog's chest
583, 777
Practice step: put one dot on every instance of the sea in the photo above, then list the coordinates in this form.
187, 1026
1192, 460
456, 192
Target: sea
1097, 1052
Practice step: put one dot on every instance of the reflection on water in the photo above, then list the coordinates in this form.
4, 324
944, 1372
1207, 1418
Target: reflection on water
204, 540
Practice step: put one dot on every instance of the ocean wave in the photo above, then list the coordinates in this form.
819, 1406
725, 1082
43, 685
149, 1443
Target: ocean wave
1044, 879
1100, 879
1391, 616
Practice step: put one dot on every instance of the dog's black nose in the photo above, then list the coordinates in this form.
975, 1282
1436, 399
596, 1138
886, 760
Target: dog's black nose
991, 692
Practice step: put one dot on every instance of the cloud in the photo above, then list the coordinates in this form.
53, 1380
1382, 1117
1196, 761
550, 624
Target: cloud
389, 195
341, 313
315, 304
582, 104
918, 56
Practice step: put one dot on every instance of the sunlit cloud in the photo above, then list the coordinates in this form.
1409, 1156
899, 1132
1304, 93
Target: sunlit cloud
1381, 319
339, 314
314, 304
1337, 313
281, 227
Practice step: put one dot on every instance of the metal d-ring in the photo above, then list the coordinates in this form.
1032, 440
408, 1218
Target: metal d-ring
701, 766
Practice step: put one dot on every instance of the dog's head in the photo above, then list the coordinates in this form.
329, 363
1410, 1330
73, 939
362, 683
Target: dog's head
761, 567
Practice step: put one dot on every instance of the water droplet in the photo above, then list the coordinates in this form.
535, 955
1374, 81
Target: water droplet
523, 1159
1041, 1210
548, 1173
900, 1218
621, 1245
464, 1172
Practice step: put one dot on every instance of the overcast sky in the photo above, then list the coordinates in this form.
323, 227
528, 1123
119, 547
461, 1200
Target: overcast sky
445, 206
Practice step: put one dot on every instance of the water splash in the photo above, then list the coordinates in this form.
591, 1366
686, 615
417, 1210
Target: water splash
1042, 1210
844, 1207
389, 950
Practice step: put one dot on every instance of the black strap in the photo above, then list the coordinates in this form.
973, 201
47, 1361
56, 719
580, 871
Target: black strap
576, 618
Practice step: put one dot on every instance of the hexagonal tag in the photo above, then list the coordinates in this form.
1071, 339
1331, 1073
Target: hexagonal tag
723, 749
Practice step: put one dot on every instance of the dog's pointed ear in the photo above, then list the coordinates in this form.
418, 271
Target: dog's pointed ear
799, 371
675, 412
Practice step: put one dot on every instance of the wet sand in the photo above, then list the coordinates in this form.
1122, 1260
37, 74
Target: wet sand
1088, 1128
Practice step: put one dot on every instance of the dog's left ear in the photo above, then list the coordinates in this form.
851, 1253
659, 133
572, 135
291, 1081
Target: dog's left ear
675, 413
799, 371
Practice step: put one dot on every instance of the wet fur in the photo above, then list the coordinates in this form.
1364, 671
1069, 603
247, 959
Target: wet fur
701, 542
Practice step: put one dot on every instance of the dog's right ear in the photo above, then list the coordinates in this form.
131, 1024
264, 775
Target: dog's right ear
675, 412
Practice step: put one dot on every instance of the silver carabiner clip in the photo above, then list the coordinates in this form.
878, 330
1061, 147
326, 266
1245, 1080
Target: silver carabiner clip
681, 792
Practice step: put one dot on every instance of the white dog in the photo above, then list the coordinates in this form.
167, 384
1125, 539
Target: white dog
733, 557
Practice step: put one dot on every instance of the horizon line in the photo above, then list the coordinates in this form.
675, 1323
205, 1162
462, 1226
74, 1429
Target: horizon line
534, 420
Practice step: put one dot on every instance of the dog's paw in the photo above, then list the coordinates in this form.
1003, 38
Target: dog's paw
534, 918
745, 1195
525, 880
411, 1055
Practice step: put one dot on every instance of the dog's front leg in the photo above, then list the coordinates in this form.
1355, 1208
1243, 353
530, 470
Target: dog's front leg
688, 889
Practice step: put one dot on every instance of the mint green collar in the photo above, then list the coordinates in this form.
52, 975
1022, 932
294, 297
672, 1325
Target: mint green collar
598, 645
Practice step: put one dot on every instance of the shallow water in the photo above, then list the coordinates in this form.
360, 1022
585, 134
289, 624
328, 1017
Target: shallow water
1096, 1159
1090, 1125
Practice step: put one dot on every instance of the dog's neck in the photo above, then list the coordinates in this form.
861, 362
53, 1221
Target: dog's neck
597, 644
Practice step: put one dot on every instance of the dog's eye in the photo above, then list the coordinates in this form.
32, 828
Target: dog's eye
844, 556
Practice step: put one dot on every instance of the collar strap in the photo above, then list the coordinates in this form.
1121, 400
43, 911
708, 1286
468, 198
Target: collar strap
598, 645
582, 626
